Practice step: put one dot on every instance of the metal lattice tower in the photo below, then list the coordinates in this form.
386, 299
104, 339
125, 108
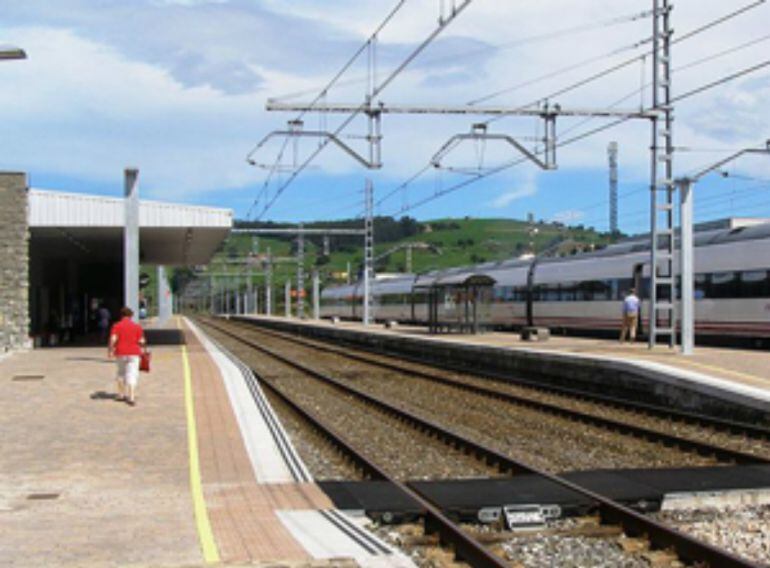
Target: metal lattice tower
269, 284
612, 154
301, 273
368, 249
662, 278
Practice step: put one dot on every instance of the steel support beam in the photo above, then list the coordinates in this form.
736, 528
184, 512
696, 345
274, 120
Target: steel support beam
287, 299
300, 274
687, 267
316, 296
368, 250
382, 108
297, 230
131, 241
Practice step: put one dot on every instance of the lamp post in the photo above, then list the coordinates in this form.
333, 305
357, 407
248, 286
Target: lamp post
686, 266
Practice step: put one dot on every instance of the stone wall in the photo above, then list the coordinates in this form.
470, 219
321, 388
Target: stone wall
14, 262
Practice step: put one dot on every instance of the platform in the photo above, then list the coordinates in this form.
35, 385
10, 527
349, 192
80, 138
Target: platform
197, 473
738, 377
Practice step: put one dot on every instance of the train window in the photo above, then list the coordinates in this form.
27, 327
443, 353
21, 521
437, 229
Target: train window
550, 293
568, 292
621, 287
754, 284
723, 285
701, 286
601, 290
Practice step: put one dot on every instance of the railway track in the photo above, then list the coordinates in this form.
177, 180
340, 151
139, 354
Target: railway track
696, 420
466, 546
725, 448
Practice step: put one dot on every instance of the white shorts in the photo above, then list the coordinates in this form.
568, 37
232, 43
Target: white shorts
128, 369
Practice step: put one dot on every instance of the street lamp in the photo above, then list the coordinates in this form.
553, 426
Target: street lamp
10, 52
686, 264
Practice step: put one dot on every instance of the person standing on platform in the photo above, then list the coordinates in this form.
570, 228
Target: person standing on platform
103, 317
126, 344
630, 316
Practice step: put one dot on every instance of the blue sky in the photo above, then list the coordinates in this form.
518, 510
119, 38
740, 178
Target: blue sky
178, 88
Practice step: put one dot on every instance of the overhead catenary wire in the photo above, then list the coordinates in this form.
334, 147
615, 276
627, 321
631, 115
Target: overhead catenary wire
322, 93
610, 70
376, 90
688, 35
564, 32
581, 136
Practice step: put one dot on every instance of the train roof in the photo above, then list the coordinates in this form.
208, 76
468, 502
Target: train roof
513, 271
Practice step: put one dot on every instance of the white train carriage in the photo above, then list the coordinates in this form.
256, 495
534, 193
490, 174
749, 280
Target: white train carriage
583, 292
732, 283
392, 298
338, 301
509, 307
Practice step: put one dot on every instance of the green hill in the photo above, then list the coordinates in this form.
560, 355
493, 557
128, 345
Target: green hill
437, 244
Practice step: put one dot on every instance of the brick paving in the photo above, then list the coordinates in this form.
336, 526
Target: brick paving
241, 511
121, 473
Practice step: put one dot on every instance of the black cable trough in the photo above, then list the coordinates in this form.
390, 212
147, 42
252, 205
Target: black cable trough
633, 523
686, 444
744, 428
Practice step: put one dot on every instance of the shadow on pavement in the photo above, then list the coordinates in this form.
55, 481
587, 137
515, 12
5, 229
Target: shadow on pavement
103, 395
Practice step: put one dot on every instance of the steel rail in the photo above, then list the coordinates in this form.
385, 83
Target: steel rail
633, 523
735, 427
465, 546
687, 444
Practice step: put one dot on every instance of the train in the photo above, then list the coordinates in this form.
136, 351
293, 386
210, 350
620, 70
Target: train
583, 292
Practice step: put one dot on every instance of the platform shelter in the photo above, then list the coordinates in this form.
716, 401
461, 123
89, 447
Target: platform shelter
77, 249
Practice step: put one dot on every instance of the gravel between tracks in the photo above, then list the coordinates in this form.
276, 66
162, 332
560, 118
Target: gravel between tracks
742, 530
569, 543
498, 424
399, 449
695, 432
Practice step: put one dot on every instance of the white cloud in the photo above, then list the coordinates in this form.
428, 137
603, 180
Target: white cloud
178, 87
526, 188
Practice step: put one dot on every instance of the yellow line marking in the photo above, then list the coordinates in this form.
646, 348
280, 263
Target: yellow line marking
205, 535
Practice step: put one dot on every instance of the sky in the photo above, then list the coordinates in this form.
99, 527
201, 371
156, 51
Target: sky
178, 88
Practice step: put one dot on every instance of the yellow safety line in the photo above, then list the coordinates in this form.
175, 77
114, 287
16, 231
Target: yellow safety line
209, 547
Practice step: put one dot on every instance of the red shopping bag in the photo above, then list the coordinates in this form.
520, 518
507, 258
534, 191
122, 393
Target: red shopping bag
144, 361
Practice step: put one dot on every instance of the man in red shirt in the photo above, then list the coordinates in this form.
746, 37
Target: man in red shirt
126, 344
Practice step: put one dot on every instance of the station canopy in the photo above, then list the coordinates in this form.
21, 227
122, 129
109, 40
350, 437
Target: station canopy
90, 227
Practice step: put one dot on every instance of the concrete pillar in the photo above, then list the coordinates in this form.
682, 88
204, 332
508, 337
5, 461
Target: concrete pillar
131, 241
287, 297
316, 298
687, 267
164, 297
14, 262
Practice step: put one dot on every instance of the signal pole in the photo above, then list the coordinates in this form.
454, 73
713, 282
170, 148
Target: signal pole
612, 154
300, 272
368, 249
